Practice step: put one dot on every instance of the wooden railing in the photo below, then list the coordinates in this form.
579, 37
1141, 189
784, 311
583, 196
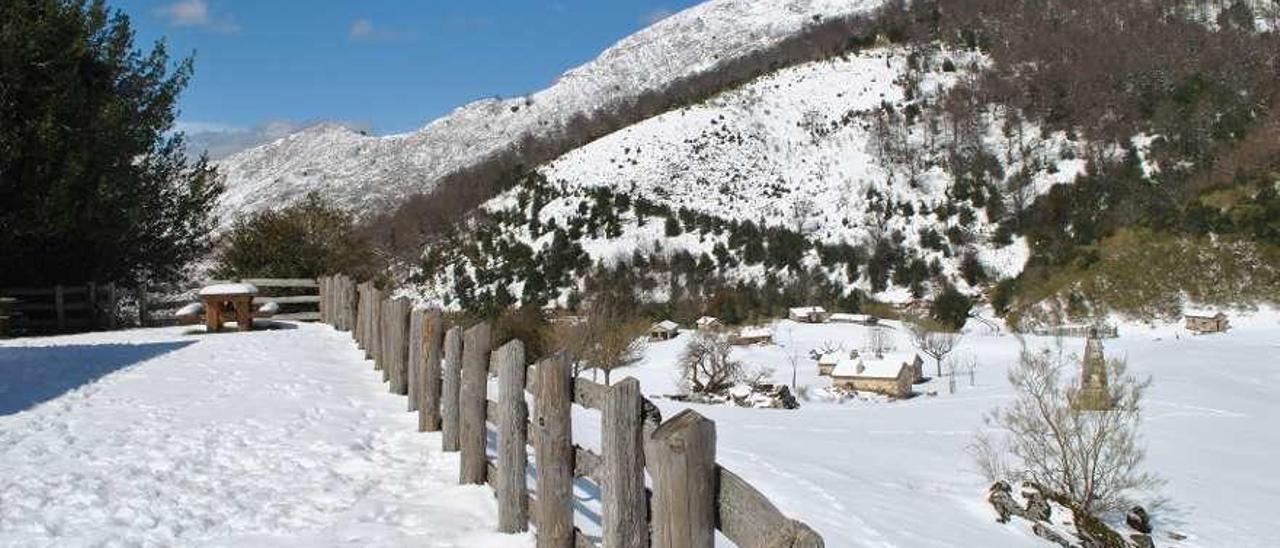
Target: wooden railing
59, 308
158, 309
445, 373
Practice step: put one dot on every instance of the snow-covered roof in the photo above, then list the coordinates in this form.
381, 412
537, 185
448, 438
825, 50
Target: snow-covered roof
833, 358
665, 325
806, 310
853, 318
707, 320
755, 332
1201, 312
229, 289
887, 366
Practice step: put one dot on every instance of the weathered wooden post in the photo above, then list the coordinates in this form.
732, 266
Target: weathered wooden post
471, 403
622, 440
432, 350
450, 385
682, 461
321, 282
362, 305
513, 458
417, 336
375, 342
113, 305
91, 300
144, 315
59, 306
350, 299
554, 453
399, 341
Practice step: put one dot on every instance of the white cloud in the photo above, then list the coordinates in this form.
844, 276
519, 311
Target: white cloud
196, 14
363, 29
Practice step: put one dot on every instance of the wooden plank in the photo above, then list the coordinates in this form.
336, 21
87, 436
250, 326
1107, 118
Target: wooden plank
38, 306
513, 457
554, 454
471, 403
432, 376
303, 299
681, 456
747, 518
298, 317
60, 305
398, 338
623, 501
416, 337
280, 282
41, 291
450, 386
588, 394
588, 464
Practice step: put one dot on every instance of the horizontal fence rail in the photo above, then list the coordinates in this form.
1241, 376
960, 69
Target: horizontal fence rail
299, 299
59, 308
659, 481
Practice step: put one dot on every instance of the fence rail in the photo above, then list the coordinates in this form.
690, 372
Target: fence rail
446, 372
59, 308
156, 309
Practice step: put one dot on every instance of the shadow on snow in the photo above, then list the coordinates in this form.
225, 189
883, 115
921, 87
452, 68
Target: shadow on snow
30, 376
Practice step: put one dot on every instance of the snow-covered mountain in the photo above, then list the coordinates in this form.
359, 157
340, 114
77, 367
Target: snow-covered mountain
372, 174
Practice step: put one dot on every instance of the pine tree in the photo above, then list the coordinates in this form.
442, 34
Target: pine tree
94, 185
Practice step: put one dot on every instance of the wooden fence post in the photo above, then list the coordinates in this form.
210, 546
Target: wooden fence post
113, 305
375, 340
432, 348
60, 307
450, 384
472, 404
144, 318
622, 441
91, 301
398, 338
554, 453
322, 306
349, 301
513, 457
682, 460
414, 370
361, 304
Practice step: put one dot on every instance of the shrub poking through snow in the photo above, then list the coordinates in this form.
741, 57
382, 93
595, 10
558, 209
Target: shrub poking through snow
705, 365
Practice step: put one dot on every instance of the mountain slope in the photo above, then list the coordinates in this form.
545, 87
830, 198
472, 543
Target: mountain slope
372, 174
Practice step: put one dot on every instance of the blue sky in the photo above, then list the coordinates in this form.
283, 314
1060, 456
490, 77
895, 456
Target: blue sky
385, 65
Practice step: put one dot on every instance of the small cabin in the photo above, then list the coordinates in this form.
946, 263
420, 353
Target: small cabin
860, 319
827, 362
753, 335
709, 323
664, 330
808, 314
1207, 322
890, 375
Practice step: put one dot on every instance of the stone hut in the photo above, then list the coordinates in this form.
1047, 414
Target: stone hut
709, 323
664, 330
753, 335
830, 360
808, 314
1202, 322
888, 374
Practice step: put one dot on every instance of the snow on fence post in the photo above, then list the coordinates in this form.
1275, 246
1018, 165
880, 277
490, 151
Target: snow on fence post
622, 441
414, 370
432, 348
512, 421
451, 383
471, 403
554, 453
682, 461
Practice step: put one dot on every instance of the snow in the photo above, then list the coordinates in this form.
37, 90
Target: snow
886, 366
229, 289
666, 325
371, 174
868, 471
270, 308
192, 309
161, 437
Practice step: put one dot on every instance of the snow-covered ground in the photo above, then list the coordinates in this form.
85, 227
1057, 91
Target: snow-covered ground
286, 438
878, 473
272, 438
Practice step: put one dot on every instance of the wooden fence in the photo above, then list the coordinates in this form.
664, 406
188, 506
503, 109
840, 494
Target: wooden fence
299, 299
59, 308
445, 371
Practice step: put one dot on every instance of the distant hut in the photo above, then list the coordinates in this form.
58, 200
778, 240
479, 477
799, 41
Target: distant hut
808, 314
709, 323
753, 335
888, 374
664, 330
1093, 378
1203, 321
861, 319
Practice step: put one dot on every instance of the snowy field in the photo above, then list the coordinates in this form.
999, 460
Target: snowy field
287, 438
878, 473
273, 438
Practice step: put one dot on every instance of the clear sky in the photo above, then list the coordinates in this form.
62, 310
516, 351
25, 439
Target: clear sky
385, 65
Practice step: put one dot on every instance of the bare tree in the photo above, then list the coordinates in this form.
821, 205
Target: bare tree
705, 365
934, 340
611, 336
879, 340
1093, 458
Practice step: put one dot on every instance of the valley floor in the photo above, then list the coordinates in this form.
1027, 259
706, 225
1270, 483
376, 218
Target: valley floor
271, 438
878, 473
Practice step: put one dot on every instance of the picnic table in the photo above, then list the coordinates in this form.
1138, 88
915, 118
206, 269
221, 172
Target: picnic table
222, 298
